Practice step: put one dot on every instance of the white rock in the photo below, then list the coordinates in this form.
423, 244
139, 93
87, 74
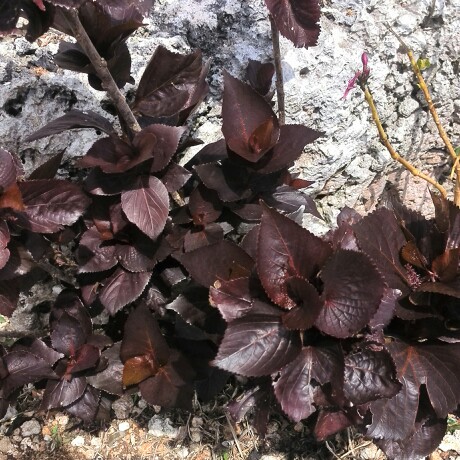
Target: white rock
451, 441
79, 441
123, 426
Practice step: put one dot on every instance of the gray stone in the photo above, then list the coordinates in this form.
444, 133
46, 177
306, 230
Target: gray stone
123, 407
31, 427
162, 427
5, 445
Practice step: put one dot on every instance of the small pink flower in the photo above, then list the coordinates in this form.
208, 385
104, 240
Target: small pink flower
360, 77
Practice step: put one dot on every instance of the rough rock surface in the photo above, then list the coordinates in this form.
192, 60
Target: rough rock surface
349, 165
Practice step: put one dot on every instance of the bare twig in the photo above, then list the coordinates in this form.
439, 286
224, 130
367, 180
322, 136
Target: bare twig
384, 139
100, 66
235, 437
279, 72
442, 133
355, 449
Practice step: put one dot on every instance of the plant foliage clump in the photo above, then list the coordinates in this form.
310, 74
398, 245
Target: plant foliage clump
205, 270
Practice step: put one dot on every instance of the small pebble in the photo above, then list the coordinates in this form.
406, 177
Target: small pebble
123, 426
159, 426
123, 407
31, 427
195, 435
96, 442
79, 441
197, 421
298, 427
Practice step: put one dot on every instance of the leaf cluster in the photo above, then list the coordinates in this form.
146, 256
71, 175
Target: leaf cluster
205, 270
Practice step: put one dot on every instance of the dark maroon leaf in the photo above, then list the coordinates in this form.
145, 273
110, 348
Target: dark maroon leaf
212, 233
160, 142
210, 153
99, 341
143, 350
285, 250
9, 297
329, 423
309, 305
287, 199
69, 302
113, 155
74, 119
38, 348
350, 296
172, 386
220, 261
175, 177
424, 440
446, 266
297, 20
100, 183
451, 289
249, 242
386, 309
86, 358
369, 375
122, 288
146, 204
110, 379
233, 298
249, 212
388, 420
171, 83
68, 335
247, 401
61, 393
294, 388
24, 367
433, 365
93, 255
249, 125
381, 238
260, 76
143, 254
257, 345
50, 204
86, 406
204, 205
8, 172
48, 169
292, 140
215, 177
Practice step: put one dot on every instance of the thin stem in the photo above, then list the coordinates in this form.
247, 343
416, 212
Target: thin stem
434, 114
384, 139
279, 72
100, 66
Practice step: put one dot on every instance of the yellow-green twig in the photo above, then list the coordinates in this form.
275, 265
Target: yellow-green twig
426, 93
395, 155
